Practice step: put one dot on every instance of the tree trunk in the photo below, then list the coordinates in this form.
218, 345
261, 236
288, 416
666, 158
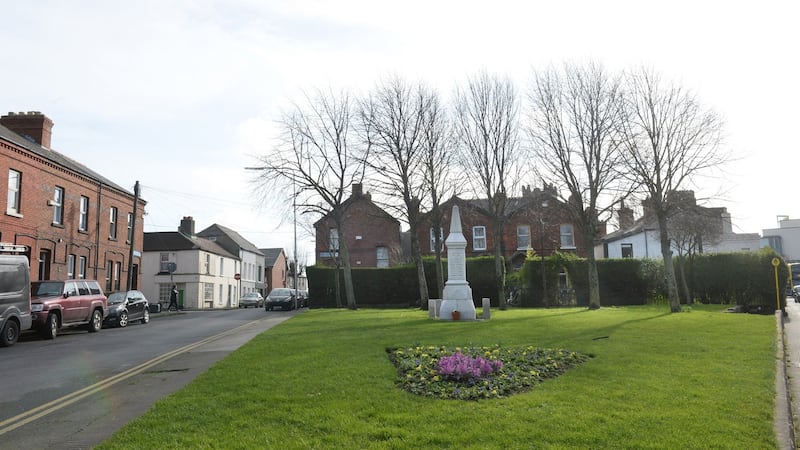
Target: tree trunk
438, 243
417, 256
687, 296
499, 264
669, 269
344, 253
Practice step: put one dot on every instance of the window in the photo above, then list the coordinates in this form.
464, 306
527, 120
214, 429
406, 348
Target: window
433, 238
208, 264
627, 250
567, 236
163, 292
164, 265
523, 237
117, 272
260, 271
479, 238
109, 274
221, 266
70, 267
208, 291
334, 238
83, 224
14, 190
58, 206
130, 227
45, 257
112, 223
82, 267
382, 254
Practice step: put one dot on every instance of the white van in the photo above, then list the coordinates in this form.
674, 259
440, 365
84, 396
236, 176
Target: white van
15, 297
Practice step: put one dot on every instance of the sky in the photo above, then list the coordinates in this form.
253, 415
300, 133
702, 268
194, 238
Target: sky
183, 95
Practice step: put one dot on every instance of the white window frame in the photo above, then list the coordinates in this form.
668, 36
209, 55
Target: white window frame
82, 267
83, 219
14, 192
70, 266
567, 233
333, 239
113, 214
382, 256
130, 227
58, 206
478, 236
523, 237
117, 274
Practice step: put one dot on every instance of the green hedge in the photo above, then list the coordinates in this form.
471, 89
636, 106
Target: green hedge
396, 287
746, 278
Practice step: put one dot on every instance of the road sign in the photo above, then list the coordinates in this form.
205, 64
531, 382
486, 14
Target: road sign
172, 267
237, 277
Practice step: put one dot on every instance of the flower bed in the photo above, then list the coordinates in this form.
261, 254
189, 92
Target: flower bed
472, 373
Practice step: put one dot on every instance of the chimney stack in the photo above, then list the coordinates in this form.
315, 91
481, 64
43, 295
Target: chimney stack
33, 125
357, 190
187, 226
625, 217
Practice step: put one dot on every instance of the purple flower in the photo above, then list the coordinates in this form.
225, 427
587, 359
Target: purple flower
459, 366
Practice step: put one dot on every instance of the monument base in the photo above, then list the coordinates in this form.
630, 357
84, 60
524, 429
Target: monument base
457, 297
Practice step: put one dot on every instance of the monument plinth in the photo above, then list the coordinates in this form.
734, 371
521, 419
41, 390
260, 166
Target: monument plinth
457, 295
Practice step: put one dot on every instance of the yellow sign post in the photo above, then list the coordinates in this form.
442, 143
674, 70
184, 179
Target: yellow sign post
775, 263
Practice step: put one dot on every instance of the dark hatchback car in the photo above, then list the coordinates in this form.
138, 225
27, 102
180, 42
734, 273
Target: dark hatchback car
127, 306
282, 298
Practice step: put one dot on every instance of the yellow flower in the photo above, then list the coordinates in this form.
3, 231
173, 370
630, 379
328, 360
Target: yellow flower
436, 378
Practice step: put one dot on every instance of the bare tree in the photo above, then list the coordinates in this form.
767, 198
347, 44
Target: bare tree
487, 127
574, 128
315, 162
437, 156
690, 227
393, 123
671, 139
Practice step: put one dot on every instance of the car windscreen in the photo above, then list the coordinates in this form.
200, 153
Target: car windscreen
46, 288
116, 297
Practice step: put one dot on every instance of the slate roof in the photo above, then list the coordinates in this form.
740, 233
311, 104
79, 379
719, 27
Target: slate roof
271, 255
219, 230
175, 241
58, 158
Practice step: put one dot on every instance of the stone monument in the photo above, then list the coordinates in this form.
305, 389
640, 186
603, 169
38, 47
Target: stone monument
457, 296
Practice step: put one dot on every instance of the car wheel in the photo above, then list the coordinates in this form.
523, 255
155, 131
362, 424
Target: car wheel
97, 321
146, 316
50, 328
10, 334
123, 319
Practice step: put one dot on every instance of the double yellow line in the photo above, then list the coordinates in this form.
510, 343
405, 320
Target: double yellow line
40, 411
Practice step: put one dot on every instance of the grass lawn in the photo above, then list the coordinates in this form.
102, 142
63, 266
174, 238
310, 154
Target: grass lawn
322, 380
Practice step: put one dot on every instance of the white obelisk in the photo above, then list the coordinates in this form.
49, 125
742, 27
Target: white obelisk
457, 293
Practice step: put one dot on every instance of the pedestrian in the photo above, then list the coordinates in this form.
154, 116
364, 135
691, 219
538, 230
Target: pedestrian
173, 298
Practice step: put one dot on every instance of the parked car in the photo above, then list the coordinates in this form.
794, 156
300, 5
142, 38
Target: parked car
303, 297
57, 304
15, 298
125, 307
251, 299
281, 298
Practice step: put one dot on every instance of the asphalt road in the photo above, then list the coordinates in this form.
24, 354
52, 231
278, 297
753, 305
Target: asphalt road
79, 389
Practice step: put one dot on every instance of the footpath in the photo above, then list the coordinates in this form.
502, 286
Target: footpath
787, 378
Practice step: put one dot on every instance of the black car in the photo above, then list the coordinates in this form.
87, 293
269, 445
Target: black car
282, 298
127, 306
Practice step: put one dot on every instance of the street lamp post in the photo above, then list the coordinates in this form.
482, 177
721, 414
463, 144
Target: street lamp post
541, 253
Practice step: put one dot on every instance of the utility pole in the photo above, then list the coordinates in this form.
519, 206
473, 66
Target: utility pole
131, 274
294, 211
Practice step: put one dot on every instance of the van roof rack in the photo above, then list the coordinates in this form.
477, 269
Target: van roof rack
7, 247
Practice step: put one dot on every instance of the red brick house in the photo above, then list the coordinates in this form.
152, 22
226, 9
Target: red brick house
537, 221
372, 235
74, 222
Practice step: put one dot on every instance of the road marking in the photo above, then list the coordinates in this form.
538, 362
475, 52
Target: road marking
40, 411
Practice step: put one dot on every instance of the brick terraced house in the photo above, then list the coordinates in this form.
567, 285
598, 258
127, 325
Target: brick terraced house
74, 222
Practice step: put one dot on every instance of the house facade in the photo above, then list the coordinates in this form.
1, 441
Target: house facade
372, 235
785, 239
274, 269
203, 271
641, 238
252, 260
74, 222
537, 221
